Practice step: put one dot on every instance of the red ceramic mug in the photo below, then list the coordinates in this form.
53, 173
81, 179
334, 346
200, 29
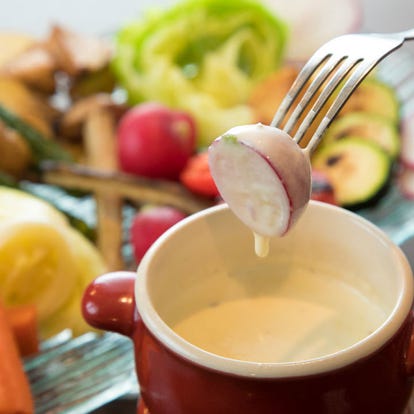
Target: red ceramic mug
322, 325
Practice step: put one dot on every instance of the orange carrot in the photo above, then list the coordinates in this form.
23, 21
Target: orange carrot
23, 322
15, 395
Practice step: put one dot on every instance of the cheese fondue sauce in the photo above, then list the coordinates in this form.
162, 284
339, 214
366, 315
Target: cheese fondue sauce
307, 318
261, 245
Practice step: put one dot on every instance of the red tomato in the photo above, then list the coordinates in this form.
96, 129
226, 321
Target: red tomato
197, 178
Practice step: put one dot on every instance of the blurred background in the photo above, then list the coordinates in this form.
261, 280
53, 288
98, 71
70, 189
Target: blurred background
95, 16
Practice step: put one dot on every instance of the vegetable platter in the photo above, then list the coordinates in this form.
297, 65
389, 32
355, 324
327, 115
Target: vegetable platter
103, 147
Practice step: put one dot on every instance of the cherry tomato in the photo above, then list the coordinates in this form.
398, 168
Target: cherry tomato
197, 178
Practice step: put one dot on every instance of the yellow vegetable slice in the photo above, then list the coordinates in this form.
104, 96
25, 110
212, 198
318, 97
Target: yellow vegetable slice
89, 264
37, 265
44, 261
17, 205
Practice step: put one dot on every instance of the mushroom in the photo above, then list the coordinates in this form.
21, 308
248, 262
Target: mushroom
100, 145
34, 66
16, 155
71, 123
76, 53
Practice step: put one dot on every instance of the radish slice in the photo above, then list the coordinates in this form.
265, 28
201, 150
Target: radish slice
407, 141
406, 183
264, 177
312, 23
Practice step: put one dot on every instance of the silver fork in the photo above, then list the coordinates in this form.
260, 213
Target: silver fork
349, 59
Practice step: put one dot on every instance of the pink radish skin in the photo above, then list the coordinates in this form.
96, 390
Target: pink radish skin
407, 141
148, 224
263, 175
155, 141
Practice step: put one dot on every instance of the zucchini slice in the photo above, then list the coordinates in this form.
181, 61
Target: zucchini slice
358, 170
374, 96
368, 126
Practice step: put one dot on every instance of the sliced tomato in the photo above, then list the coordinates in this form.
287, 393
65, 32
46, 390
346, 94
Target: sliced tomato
197, 178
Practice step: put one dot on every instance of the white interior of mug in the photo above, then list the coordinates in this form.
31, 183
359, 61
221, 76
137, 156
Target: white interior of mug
209, 258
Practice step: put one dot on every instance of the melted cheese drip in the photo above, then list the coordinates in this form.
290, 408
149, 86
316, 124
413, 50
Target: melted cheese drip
261, 245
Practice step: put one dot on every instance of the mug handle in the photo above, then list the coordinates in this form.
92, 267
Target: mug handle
108, 303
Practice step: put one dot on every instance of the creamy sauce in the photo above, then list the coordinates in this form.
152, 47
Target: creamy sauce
309, 317
261, 245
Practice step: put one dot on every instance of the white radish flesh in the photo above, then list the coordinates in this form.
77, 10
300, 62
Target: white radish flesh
264, 177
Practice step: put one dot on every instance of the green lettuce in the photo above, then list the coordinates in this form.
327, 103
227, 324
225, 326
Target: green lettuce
202, 56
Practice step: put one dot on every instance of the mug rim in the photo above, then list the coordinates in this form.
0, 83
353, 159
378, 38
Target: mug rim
363, 348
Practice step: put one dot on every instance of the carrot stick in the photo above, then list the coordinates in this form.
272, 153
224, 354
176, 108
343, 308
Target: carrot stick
15, 395
23, 322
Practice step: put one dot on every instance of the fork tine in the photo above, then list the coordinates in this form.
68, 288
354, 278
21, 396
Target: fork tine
304, 75
347, 58
323, 74
357, 76
347, 65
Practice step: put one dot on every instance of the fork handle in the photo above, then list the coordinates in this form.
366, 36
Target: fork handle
408, 34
